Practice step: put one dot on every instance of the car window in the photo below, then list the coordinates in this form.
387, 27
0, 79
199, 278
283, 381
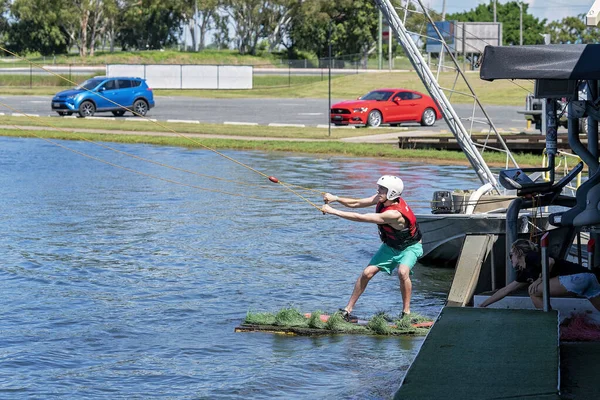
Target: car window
89, 84
124, 83
379, 95
416, 96
109, 85
135, 83
404, 96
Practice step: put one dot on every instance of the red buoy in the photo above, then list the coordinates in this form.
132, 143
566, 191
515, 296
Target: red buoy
273, 179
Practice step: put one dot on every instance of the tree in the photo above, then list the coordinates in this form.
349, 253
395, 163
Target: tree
221, 38
354, 25
111, 13
277, 23
38, 27
149, 24
200, 15
572, 30
4, 10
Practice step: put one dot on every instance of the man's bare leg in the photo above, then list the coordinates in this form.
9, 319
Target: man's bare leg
405, 287
361, 285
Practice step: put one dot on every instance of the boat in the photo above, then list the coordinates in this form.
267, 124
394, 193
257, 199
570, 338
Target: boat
483, 210
491, 342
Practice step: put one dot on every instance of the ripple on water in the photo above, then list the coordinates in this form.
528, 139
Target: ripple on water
118, 285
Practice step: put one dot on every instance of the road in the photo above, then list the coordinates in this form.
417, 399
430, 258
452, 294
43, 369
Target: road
298, 112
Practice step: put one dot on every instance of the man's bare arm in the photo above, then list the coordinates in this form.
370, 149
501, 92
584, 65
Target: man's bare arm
388, 217
350, 202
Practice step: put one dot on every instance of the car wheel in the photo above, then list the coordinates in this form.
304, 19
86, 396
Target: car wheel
428, 117
374, 119
140, 107
87, 109
118, 113
61, 113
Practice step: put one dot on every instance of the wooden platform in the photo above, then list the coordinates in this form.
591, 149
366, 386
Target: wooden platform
522, 142
300, 331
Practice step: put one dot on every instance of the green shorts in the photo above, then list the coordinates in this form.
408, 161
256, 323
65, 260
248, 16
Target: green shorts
387, 258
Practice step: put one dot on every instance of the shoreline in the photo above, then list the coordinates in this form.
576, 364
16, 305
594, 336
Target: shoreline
361, 147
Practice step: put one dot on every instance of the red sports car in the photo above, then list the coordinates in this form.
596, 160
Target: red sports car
386, 106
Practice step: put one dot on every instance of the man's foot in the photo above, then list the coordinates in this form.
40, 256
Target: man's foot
405, 314
347, 316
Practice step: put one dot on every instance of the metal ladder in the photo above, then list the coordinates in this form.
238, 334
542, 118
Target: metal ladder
459, 131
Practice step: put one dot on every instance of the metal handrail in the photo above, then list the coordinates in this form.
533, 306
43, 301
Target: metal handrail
563, 160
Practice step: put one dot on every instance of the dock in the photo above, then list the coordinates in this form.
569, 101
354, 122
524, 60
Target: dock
519, 142
481, 353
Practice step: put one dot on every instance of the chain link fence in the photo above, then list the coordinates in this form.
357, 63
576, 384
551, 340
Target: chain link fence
283, 73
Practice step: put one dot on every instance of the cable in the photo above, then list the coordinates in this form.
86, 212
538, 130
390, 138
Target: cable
287, 186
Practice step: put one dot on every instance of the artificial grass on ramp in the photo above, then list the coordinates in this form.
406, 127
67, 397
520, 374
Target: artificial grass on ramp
292, 321
481, 353
579, 370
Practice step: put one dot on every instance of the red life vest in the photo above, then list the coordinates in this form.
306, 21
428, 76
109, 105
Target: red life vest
399, 239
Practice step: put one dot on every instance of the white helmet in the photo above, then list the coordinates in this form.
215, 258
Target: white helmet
393, 184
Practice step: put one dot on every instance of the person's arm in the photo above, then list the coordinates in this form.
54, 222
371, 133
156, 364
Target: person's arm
350, 202
502, 293
388, 217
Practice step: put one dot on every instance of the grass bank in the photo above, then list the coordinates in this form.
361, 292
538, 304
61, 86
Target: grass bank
216, 136
206, 56
500, 92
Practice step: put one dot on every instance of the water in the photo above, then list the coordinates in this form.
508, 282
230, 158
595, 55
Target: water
118, 285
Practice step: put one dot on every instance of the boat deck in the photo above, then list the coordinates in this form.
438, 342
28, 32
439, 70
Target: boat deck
481, 353
579, 370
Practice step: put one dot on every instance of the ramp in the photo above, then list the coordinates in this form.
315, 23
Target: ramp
480, 353
474, 252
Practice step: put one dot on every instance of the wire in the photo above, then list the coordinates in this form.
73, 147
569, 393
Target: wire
142, 173
289, 187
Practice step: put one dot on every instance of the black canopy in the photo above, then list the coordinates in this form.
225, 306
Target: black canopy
554, 61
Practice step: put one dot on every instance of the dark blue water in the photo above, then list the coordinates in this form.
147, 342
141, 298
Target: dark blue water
120, 285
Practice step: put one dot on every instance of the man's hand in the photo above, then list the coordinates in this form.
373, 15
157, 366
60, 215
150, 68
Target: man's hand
329, 198
327, 209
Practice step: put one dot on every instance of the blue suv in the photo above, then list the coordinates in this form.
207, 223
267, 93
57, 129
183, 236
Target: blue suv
102, 94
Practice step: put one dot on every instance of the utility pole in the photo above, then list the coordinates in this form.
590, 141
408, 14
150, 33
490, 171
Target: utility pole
495, 1
379, 41
520, 23
444, 10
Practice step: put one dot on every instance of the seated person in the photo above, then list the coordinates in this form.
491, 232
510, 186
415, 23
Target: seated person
564, 278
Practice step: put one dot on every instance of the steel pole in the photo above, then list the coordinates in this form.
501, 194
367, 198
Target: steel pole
545, 272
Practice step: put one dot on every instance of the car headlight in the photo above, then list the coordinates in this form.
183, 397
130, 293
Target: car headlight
71, 96
360, 109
